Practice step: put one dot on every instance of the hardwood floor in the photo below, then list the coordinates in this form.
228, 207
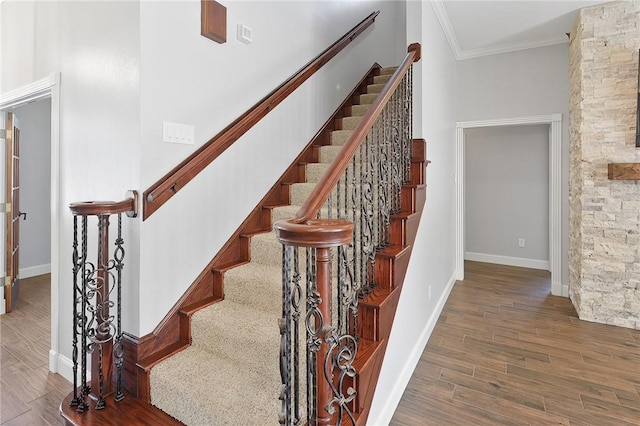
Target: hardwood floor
29, 393
504, 351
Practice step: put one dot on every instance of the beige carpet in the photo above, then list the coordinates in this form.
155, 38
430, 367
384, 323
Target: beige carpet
230, 374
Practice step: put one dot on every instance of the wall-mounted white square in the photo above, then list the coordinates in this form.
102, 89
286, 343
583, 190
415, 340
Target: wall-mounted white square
178, 133
244, 34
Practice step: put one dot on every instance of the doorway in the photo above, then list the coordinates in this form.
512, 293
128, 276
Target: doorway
507, 195
555, 154
46, 88
34, 176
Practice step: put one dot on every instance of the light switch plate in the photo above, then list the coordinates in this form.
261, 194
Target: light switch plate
244, 34
178, 133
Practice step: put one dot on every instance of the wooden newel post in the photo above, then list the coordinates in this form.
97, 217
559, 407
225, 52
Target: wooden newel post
321, 234
101, 357
95, 327
323, 280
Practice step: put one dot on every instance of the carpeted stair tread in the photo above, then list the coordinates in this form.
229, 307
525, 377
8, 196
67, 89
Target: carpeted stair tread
245, 283
388, 70
340, 137
375, 88
328, 153
367, 98
266, 250
359, 110
283, 213
298, 192
227, 394
350, 123
288, 212
381, 79
236, 342
314, 172
243, 336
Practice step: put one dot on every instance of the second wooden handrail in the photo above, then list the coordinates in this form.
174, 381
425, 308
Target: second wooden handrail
106, 208
165, 188
329, 180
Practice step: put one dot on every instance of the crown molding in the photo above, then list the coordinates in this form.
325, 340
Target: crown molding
447, 28
445, 23
511, 47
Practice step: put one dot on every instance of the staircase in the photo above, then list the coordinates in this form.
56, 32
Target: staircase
230, 372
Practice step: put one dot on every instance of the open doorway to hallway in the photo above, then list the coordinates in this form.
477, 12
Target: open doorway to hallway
507, 195
34, 179
555, 191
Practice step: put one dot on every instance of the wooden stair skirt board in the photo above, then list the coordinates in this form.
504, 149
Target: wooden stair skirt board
377, 310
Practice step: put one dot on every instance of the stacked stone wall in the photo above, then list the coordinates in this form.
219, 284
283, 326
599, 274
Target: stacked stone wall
604, 217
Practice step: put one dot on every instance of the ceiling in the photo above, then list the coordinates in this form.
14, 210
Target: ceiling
487, 27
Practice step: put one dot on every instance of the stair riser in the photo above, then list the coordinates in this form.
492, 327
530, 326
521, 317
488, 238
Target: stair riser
376, 321
401, 227
365, 380
413, 197
390, 271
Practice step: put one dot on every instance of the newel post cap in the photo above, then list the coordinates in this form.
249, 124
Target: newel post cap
415, 47
318, 233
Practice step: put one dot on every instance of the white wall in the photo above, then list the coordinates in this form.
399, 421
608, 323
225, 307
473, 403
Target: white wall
507, 200
127, 66
187, 78
95, 46
524, 83
35, 187
433, 259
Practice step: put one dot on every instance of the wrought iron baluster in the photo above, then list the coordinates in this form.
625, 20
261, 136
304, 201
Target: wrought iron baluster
313, 322
82, 406
75, 401
407, 158
339, 358
285, 339
296, 298
118, 348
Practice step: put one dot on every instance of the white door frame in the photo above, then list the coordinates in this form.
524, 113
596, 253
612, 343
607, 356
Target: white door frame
41, 89
555, 191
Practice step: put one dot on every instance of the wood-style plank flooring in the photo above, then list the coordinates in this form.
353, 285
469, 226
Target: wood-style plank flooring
506, 352
29, 393
503, 352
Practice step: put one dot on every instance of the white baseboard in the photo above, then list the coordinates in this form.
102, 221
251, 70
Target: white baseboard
34, 271
62, 365
395, 395
507, 260
2, 302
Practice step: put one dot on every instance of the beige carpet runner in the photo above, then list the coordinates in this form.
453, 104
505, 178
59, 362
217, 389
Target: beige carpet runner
230, 374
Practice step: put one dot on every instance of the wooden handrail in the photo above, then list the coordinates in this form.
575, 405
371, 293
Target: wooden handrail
329, 180
161, 191
106, 208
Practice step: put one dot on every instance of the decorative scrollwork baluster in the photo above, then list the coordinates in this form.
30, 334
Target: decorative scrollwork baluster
98, 332
341, 354
285, 339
